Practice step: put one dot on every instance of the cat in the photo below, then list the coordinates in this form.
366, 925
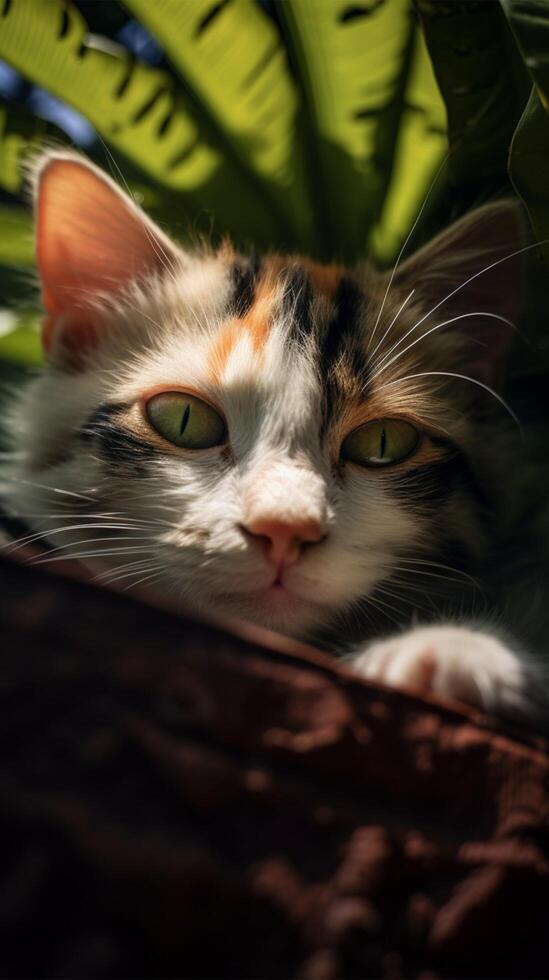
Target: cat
320, 450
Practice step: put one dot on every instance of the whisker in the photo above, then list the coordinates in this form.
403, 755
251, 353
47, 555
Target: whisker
383, 364
96, 553
404, 580
29, 538
392, 323
50, 489
111, 538
158, 575
106, 575
492, 265
462, 377
435, 564
145, 566
375, 600
407, 239
382, 589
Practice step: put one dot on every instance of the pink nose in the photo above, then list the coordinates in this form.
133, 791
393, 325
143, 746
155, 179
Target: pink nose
284, 542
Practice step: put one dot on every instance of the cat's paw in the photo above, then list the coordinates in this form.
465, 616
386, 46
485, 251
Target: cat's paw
455, 662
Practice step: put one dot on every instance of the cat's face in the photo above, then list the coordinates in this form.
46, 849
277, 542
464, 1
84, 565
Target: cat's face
262, 439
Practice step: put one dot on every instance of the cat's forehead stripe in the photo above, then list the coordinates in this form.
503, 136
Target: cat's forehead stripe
285, 286
343, 326
296, 304
243, 276
254, 297
343, 361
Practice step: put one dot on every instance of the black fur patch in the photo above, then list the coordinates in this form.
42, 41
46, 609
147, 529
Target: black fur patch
432, 483
112, 441
466, 472
342, 327
435, 482
343, 363
243, 274
296, 305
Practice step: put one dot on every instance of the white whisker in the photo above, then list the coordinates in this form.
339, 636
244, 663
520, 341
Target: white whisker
106, 575
145, 566
96, 553
29, 538
392, 323
384, 364
441, 565
155, 576
462, 377
406, 240
50, 489
492, 265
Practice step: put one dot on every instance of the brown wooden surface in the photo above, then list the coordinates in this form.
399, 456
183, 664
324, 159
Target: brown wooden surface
177, 801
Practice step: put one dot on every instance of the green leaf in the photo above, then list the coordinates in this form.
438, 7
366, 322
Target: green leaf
529, 157
136, 108
529, 21
484, 86
16, 236
420, 150
20, 338
528, 167
352, 61
20, 135
233, 58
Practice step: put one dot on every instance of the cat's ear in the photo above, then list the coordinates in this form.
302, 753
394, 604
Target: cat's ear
474, 267
92, 242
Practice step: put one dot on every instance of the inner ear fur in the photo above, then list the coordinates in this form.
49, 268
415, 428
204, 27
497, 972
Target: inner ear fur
92, 241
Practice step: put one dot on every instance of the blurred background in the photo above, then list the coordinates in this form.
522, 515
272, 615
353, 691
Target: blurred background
320, 126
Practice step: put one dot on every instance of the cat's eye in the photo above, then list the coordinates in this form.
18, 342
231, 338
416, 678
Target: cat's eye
380, 443
185, 420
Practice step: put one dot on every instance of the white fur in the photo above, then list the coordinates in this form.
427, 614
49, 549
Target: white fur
453, 661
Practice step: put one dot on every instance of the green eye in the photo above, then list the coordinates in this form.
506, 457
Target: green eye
185, 420
380, 443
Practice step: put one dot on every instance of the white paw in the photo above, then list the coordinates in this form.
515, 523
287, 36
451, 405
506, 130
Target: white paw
454, 662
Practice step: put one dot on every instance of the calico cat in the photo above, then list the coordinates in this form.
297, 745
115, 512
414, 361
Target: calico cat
317, 449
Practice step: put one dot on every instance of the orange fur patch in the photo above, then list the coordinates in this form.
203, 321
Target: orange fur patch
221, 349
257, 321
325, 278
258, 318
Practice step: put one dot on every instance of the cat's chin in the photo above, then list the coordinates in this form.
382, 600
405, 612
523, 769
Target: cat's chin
275, 608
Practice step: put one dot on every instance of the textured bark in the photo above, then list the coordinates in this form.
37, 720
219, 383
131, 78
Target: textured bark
180, 801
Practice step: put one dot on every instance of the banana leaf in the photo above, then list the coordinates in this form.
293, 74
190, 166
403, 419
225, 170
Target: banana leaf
418, 179
138, 109
20, 134
485, 87
529, 158
16, 237
352, 61
528, 167
529, 21
232, 57
20, 338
